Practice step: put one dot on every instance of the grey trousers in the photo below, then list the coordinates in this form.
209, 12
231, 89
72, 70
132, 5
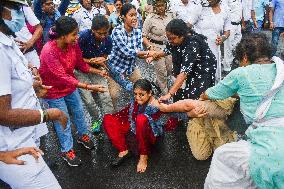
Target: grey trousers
93, 101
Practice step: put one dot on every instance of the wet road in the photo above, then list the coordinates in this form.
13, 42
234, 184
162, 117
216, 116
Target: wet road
171, 165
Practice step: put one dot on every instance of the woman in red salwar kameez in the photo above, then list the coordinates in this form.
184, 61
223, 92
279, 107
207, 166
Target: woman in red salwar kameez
143, 118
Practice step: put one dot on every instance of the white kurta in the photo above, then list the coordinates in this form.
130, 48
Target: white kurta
212, 25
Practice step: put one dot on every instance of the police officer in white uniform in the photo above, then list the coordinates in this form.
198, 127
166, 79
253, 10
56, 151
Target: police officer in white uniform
186, 10
21, 117
235, 37
26, 40
85, 14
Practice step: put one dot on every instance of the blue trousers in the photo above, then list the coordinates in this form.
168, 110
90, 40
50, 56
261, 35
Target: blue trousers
73, 103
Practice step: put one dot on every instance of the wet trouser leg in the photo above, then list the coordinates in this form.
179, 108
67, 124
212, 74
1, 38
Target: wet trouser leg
144, 135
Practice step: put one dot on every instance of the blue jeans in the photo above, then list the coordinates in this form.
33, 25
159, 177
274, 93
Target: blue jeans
73, 103
275, 38
259, 24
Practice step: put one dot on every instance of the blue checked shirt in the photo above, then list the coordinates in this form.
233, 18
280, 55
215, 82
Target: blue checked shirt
124, 50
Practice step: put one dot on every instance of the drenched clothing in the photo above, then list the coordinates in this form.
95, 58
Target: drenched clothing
260, 158
206, 134
194, 58
146, 122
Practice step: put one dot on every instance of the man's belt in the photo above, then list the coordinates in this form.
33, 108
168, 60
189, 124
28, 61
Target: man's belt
156, 42
236, 23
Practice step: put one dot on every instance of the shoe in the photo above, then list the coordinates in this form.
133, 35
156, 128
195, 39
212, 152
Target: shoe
71, 158
86, 142
119, 160
96, 126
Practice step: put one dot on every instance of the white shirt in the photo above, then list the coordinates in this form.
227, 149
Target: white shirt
235, 7
24, 34
212, 25
100, 10
84, 18
247, 7
16, 80
188, 12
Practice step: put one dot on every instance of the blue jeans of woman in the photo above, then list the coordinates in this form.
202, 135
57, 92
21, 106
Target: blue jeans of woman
71, 103
275, 37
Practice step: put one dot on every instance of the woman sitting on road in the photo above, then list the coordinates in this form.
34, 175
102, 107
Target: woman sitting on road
143, 118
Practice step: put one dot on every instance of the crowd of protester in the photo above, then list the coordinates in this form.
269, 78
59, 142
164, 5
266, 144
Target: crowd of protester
54, 62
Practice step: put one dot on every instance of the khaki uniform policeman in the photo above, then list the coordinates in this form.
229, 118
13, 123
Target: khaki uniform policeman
154, 29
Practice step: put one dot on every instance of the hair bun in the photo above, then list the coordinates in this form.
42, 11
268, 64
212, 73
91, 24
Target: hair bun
52, 33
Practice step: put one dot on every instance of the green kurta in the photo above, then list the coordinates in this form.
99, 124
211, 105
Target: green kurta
267, 143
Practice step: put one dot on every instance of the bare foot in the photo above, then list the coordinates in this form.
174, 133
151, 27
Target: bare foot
142, 164
123, 153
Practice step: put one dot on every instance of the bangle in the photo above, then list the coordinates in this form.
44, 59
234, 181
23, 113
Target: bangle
41, 116
45, 116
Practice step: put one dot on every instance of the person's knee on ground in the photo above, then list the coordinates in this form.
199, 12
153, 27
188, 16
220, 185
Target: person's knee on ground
198, 140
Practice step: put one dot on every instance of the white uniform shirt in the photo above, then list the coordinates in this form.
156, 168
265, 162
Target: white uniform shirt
235, 7
100, 10
212, 25
25, 35
16, 80
247, 7
187, 12
84, 18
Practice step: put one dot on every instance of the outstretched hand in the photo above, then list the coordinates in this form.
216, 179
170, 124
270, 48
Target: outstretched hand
97, 88
198, 111
10, 157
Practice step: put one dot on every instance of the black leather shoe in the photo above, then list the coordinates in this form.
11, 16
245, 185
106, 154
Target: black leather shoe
119, 160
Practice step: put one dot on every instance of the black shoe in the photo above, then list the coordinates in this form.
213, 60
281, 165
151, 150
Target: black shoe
119, 160
71, 158
86, 142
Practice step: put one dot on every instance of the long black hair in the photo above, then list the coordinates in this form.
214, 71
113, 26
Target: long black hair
147, 86
63, 26
179, 28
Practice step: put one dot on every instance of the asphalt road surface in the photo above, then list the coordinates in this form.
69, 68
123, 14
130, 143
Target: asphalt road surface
171, 164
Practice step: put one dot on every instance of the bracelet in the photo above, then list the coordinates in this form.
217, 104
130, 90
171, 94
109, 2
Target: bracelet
41, 116
149, 47
45, 116
87, 86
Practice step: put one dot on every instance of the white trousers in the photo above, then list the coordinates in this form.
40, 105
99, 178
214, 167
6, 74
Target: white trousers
33, 175
229, 167
230, 45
